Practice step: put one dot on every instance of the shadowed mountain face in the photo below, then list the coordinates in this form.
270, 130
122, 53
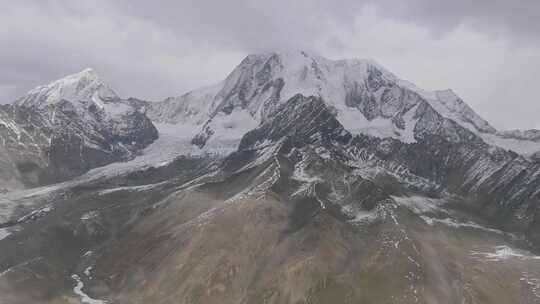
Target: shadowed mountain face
303, 210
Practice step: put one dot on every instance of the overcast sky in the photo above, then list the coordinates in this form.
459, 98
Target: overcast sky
487, 51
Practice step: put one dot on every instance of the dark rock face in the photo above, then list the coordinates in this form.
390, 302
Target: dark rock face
201, 138
431, 123
253, 78
536, 156
378, 97
498, 184
301, 117
22, 158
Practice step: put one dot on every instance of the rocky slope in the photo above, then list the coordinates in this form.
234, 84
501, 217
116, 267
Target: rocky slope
60, 130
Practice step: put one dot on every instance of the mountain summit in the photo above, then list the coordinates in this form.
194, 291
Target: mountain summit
365, 97
83, 87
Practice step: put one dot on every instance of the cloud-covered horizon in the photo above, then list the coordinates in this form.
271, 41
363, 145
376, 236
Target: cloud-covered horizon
486, 51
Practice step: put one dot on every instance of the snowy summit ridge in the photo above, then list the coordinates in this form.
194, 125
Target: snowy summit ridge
365, 97
83, 87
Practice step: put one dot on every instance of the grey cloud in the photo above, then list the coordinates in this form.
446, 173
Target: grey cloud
243, 22
517, 19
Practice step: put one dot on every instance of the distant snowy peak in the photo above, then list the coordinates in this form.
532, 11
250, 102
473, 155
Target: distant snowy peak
82, 89
84, 93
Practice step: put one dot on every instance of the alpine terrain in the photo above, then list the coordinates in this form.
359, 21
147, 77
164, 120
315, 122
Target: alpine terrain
297, 179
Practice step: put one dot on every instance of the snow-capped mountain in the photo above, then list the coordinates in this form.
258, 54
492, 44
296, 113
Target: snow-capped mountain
82, 89
297, 179
69, 126
365, 97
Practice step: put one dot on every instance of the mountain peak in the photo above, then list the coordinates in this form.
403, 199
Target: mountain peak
82, 87
364, 96
86, 73
302, 57
302, 72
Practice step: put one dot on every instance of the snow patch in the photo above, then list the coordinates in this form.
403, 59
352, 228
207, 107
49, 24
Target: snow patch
356, 123
131, 188
456, 224
502, 253
4, 233
88, 272
78, 290
89, 215
421, 205
231, 126
381, 211
36, 214
308, 181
